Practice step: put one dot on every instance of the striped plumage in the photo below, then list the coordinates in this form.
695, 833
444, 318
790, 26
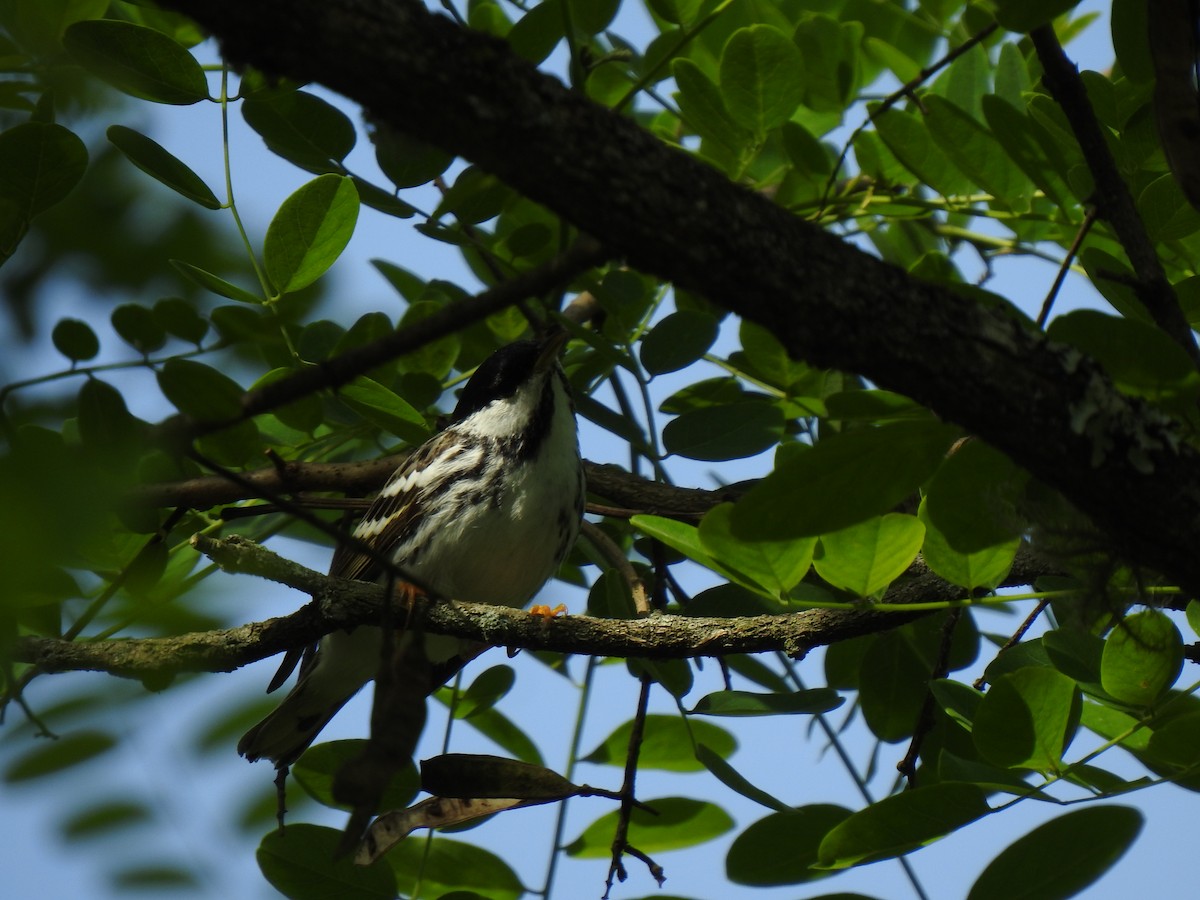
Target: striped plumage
485, 511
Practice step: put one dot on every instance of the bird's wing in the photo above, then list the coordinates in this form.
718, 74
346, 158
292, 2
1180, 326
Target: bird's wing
394, 514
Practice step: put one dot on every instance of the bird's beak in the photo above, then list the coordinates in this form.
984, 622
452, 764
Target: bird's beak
552, 346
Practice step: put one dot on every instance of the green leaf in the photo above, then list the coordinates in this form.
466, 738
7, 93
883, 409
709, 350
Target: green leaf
200, 391
140, 61
211, 282
488, 689
1142, 658
985, 568
1076, 654
48, 757
1027, 719
975, 151
316, 769
678, 12
500, 729
1193, 616
385, 408
179, 318
102, 819
1026, 15
137, 327
1177, 743
782, 848
900, 823
592, 16
311, 229
666, 744
703, 109
907, 136
776, 565
303, 862
1141, 359
735, 781
829, 50
40, 163
153, 159
733, 431
408, 162
1017, 136
75, 340
302, 128
1062, 857
958, 701
680, 822
973, 499
867, 557
893, 680
845, 479
105, 422
761, 77
748, 703
451, 866
677, 341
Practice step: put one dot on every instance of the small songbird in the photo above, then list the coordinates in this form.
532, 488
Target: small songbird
484, 511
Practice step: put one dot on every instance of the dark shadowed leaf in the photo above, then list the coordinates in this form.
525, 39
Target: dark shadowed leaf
302, 128
199, 390
140, 61
782, 848
667, 744
316, 769
1062, 857
47, 757
681, 822
677, 341
302, 863
724, 432
452, 866
1027, 719
75, 340
748, 703
211, 282
153, 159
901, 823
40, 163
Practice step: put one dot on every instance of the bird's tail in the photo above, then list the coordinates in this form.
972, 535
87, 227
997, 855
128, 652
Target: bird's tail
343, 664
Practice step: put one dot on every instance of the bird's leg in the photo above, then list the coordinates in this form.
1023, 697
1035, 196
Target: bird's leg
544, 611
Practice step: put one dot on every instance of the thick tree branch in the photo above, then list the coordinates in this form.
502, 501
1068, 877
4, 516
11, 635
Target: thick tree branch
1051, 409
339, 603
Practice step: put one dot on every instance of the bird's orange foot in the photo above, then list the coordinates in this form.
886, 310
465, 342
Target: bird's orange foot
546, 612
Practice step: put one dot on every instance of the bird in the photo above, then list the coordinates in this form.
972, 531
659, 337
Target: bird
485, 511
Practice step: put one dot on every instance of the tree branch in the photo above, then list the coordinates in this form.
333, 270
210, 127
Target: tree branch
362, 477
339, 603
1049, 408
1112, 196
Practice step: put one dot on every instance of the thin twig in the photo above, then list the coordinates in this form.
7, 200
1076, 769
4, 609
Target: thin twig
1112, 196
925, 719
620, 844
1085, 226
981, 681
